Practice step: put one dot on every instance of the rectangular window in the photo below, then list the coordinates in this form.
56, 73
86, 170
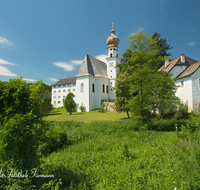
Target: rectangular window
74, 89
58, 96
59, 85
182, 84
59, 90
58, 102
54, 102
54, 97
54, 91
74, 84
64, 90
68, 90
64, 85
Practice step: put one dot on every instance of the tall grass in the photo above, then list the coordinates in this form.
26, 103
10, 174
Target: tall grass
113, 155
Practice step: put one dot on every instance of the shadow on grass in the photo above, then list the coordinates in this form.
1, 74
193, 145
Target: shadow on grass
124, 118
77, 113
54, 113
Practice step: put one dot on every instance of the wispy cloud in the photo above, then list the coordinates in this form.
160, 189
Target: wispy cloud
64, 65
53, 79
77, 62
70, 66
138, 30
5, 62
5, 72
102, 57
193, 30
191, 43
30, 80
162, 5
5, 41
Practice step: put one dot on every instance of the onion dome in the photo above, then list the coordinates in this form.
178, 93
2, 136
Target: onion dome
112, 40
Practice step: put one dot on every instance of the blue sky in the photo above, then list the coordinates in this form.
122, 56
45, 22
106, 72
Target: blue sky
48, 39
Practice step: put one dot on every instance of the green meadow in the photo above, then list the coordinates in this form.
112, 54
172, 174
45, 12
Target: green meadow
60, 114
105, 151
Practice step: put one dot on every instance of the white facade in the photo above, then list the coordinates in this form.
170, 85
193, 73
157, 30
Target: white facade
94, 81
187, 74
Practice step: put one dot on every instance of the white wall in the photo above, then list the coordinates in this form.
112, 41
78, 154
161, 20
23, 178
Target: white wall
196, 91
177, 70
95, 97
185, 92
82, 97
59, 92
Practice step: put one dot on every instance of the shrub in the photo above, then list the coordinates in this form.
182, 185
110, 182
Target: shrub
54, 139
102, 108
182, 112
82, 108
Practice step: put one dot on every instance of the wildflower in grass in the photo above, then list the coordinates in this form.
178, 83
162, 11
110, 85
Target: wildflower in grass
129, 157
175, 188
169, 164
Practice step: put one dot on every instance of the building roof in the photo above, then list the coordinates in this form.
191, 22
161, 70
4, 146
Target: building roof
177, 62
92, 66
189, 70
68, 80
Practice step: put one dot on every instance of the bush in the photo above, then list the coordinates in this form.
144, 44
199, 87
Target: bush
102, 108
54, 139
82, 108
182, 112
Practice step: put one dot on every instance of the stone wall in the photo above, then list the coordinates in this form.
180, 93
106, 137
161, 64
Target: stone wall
109, 106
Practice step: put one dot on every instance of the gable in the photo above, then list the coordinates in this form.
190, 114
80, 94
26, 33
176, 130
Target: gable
92, 66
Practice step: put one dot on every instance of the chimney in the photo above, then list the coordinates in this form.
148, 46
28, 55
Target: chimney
182, 58
166, 63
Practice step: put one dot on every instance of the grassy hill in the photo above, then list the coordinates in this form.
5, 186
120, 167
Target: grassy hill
112, 155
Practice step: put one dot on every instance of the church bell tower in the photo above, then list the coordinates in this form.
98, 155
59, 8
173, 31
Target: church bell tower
112, 61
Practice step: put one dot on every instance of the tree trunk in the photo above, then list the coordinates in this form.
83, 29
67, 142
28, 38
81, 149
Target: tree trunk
127, 114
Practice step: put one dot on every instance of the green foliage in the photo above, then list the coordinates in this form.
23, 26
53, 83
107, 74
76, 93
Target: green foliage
69, 103
140, 88
122, 90
53, 140
102, 109
182, 112
82, 108
104, 158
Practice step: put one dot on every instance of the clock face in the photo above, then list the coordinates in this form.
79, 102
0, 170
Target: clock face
111, 64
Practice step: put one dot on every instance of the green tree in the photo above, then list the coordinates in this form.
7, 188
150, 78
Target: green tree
21, 123
140, 61
43, 94
122, 87
163, 46
69, 103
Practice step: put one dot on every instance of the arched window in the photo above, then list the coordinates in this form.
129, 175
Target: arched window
93, 87
103, 88
117, 55
107, 88
110, 54
82, 87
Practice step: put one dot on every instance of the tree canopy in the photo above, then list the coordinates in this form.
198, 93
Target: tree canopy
139, 66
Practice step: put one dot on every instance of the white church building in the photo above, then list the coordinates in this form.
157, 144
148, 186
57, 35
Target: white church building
187, 74
94, 81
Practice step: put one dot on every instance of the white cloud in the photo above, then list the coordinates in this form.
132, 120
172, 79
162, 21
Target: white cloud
138, 30
191, 43
5, 41
5, 62
53, 79
77, 62
102, 57
5, 72
31, 80
64, 65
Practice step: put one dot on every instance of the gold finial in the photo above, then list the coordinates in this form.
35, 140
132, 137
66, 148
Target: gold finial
112, 25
